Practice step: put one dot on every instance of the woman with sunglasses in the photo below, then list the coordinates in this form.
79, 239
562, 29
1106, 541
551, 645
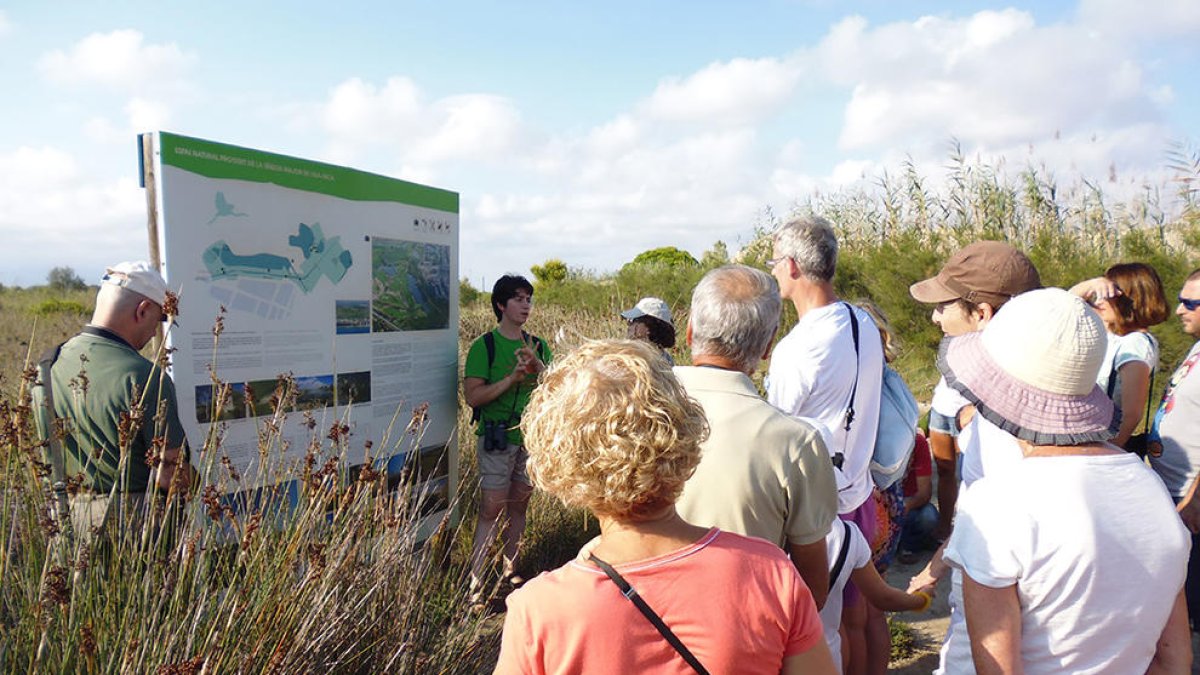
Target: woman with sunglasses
1130, 299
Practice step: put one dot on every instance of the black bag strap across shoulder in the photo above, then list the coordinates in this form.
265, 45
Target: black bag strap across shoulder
840, 457
1112, 385
842, 553
665, 630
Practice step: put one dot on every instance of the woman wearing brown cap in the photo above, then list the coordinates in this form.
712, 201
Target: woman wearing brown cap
966, 293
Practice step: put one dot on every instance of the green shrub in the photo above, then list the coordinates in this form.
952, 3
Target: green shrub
904, 640
54, 306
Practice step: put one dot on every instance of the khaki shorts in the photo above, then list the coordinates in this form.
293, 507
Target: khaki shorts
93, 515
499, 470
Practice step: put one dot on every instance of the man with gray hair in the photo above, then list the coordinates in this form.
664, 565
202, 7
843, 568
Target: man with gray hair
830, 368
762, 473
116, 409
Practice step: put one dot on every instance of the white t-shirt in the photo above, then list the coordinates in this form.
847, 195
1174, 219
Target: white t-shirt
1122, 349
1179, 427
985, 447
1095, 549
812, 373
946, 400
857, 555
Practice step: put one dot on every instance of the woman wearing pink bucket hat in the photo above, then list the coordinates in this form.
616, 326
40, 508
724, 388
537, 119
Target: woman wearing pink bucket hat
1049, 545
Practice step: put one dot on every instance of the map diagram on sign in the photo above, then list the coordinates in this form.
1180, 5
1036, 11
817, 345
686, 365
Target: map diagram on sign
266, 281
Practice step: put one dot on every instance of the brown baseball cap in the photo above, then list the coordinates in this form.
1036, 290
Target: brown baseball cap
986, 271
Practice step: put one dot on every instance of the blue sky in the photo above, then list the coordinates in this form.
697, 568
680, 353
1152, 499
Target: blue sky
586, 133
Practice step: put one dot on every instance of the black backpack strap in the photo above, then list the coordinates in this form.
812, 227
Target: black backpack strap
1149, 388
1112, 378
539, 345
838, 564
840, 457
489, 343
1112, 385
55, 455
665, 630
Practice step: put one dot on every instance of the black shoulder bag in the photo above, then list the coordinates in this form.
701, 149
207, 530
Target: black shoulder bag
665, 630
1137, 443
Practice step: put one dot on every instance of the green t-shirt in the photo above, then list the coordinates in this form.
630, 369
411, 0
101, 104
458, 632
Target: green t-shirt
113, 371
509, 405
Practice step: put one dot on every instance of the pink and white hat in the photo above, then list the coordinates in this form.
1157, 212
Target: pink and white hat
1032, 370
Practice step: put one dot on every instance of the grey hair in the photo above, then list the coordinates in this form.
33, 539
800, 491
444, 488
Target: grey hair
734, 314
810, 241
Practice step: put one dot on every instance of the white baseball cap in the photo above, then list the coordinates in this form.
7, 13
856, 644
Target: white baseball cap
649, 307
139, 277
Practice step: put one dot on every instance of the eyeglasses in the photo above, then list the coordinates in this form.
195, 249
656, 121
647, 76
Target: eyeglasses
775, 261
1190, 304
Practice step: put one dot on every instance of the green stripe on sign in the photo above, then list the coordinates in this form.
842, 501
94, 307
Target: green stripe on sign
218, 160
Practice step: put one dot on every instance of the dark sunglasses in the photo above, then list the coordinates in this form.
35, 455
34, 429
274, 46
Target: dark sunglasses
1190, 304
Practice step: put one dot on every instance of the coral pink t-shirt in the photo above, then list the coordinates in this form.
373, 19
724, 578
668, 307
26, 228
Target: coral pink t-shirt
736, 602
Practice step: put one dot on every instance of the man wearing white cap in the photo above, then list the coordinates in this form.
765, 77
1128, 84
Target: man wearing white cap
114, 402
650, 320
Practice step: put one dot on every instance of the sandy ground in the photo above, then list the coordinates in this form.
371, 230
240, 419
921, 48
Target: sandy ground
930, 626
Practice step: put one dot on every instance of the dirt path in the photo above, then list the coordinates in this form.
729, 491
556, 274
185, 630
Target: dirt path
930, 626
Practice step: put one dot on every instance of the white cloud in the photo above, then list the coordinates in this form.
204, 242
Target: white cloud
360, 117
994, 78
146, 114
5, 25
734, 92
358, 111
1151, 19
141, 115
469, 126
699, 156
120, 59
52, 211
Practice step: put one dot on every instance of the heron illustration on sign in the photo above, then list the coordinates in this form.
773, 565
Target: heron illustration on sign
224, 209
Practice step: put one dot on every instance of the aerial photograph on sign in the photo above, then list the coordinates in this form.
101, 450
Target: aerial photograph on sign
353, 316
411, 285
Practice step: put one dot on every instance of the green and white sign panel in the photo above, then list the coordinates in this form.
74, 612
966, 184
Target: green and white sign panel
339, 283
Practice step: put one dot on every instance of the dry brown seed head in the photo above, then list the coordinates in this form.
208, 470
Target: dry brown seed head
55, 590
233, 472
87, 641
170, 305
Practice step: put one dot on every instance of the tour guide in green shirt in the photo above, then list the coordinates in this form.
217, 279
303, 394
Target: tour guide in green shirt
98, 378
497, 382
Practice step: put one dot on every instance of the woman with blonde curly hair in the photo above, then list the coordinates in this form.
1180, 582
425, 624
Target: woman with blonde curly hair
611, 429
